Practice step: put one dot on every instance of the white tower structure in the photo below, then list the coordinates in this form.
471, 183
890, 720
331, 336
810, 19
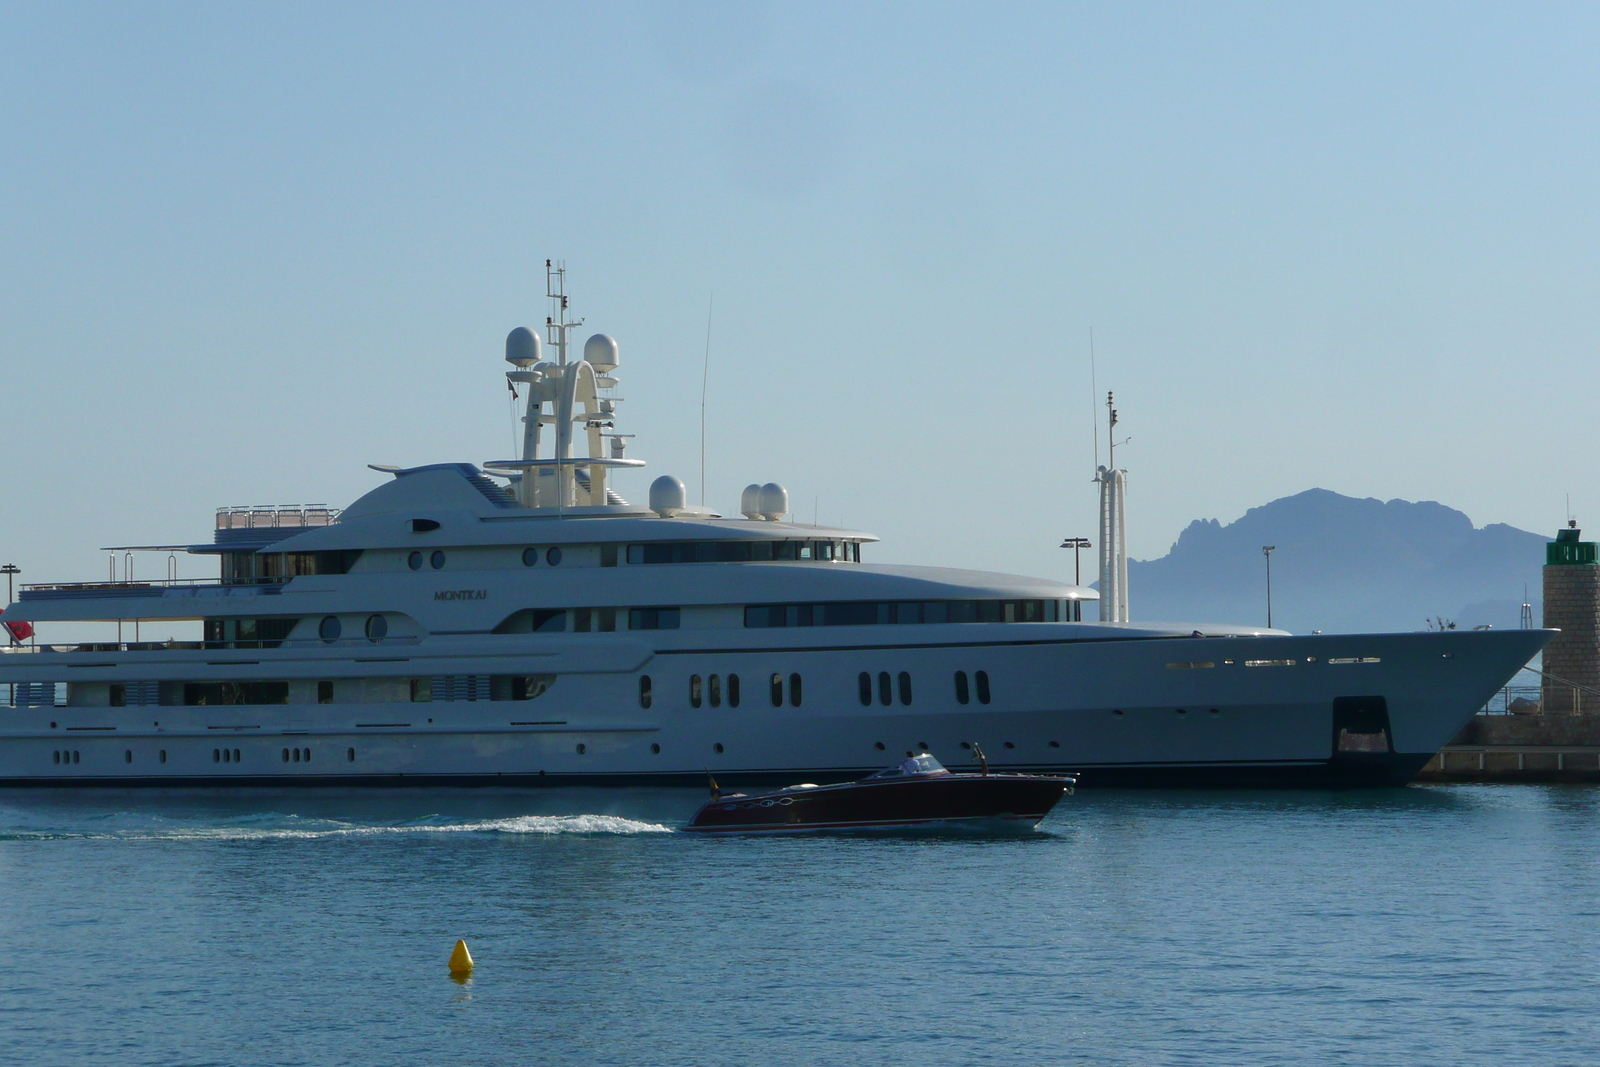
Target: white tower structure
1113, 530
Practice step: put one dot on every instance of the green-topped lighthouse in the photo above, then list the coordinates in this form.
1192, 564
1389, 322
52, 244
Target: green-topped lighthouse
1572, 605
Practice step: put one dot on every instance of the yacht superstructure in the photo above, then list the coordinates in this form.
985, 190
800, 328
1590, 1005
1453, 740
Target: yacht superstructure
521, 623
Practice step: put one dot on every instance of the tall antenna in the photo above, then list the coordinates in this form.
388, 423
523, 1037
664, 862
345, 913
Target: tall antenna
705, 376
1111, 433
556, 325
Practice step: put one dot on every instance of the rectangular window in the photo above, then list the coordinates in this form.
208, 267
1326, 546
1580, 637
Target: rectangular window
324, 692
580, 620
654, 618
421, 690
549, 620
119, 695
608, 555
210, 694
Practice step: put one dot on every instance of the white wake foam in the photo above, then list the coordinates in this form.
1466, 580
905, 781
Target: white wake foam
278, 827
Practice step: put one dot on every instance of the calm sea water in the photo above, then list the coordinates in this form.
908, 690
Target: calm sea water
1427, 925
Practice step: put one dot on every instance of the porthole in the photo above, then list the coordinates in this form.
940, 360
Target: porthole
1055, 744
655, 750
127, 755
56, 756
1116, 711
305, 754
216, 755
966, 744
717, 748
1182, 712
1010, 745
982, 678
286, 755
923, 745
864, 688
329, 629
694, 690
777, 690
794, 690
582, 748
905, 687
962, 693
377, 628
733, 690
553, 557
436, 561
414, 561
530, 557
76, 756
885, 692
163, 756
644, 691
878, 745
1216, 711
714, 690
350, 754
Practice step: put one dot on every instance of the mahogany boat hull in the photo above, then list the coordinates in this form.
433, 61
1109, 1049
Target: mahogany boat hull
945, 799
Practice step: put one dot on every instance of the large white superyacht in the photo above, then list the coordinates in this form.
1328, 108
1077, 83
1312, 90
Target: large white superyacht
521, 624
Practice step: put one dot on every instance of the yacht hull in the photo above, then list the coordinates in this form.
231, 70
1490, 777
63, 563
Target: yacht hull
1278, 711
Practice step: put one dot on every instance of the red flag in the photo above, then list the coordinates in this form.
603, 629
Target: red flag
20, 630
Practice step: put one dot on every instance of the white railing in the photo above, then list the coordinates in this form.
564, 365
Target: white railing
275, 516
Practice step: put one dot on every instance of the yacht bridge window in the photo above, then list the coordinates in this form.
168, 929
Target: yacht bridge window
869, 612
744, 551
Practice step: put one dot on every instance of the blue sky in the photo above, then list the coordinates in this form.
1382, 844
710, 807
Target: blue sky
248, 250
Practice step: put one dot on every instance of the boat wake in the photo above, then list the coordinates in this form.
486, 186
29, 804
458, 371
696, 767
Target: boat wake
267, 826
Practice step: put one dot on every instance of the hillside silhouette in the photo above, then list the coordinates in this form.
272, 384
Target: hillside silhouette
1342, 565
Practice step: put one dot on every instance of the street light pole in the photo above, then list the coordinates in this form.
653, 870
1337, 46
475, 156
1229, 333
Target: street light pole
1266, 550
1077, 544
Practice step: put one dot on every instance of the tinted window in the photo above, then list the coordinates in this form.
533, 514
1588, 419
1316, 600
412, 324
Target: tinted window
794, 690
553, 557
436, 561
644, 691
733, 690
530, 556
905, 687
864, 686
329, 629
777, 690
983, 687
962, 696
694, 690
414, 561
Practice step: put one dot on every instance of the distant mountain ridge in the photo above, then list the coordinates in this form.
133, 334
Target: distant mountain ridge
1343, 564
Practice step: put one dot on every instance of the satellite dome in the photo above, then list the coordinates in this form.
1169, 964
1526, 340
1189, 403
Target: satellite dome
666, 496
522, 347
774, 501
750, 502
600, 352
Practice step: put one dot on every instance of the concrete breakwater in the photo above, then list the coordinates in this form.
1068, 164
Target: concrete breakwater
1520, 748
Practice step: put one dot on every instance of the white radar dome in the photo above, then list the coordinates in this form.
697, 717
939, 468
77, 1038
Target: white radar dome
600, 352
774, 501
666, 496
750, 502
522, 347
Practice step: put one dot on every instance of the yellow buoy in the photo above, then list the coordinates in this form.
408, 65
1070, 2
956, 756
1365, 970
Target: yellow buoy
460, 959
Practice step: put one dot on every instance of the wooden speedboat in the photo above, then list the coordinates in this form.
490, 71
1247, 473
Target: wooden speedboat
917, 792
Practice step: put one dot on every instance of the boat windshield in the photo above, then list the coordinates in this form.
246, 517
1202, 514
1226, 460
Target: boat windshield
922, 763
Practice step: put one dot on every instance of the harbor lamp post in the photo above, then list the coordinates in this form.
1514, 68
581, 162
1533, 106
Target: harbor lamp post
1266, 550
1077, 544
